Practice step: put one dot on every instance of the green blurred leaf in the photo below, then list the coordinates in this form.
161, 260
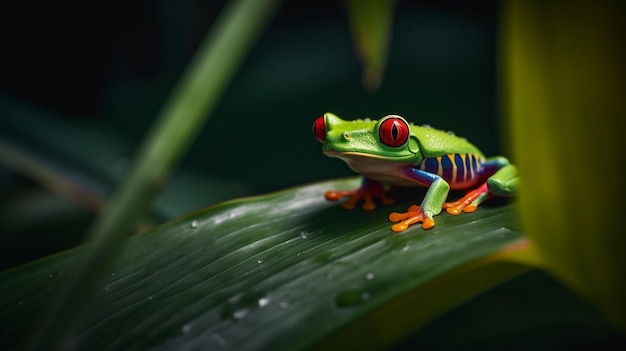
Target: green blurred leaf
83, 159
566, 88
182, 116
283, 271
371, 23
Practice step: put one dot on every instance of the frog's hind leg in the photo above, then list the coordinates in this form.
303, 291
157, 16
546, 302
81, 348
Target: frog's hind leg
502, 181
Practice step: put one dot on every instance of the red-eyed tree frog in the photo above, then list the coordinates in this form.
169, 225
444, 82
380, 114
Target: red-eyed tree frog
393, 152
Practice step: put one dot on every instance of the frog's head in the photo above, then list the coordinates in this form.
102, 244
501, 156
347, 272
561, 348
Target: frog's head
388, 139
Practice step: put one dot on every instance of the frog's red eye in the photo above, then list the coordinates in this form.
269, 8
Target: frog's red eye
319, 129
393, 131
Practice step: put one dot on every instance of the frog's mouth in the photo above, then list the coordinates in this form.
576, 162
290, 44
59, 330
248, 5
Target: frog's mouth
340, 154
348, 155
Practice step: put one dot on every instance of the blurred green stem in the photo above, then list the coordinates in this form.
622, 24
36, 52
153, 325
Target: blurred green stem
181, 118
371, 22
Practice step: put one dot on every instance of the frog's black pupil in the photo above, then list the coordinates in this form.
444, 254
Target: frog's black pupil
394, 132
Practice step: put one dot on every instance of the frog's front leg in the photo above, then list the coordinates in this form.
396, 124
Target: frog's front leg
431, 205
368, 191
502, 182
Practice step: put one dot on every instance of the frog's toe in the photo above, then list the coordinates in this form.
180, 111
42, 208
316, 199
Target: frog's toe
470, 208
468, 203
367, 194
368, 203
336, 195
452, 208
455, 208
350, 204
413, 215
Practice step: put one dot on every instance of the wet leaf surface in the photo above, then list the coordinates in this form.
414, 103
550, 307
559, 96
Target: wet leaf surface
285, 270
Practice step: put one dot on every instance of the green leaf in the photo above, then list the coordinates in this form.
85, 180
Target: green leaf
287, 270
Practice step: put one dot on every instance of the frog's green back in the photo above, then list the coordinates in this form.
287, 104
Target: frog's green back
434, 142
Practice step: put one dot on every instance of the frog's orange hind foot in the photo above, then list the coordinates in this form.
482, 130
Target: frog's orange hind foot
366, 193
414, 214
468, 203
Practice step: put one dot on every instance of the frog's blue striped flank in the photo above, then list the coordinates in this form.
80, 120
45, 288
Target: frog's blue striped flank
456, 169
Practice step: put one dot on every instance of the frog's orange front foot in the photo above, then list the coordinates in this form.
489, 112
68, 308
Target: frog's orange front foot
468, 203
414, 214
367, 192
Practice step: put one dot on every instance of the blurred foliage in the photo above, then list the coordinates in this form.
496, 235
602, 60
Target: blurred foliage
566, 101
371, 22
182, 116
79, 92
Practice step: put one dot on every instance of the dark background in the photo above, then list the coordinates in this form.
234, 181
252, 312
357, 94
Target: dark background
80, 83
116, 62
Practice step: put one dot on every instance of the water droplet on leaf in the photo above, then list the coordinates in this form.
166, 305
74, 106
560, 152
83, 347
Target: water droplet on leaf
263, 301
239, 314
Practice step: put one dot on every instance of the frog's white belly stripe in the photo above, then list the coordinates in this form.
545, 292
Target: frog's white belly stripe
380, 170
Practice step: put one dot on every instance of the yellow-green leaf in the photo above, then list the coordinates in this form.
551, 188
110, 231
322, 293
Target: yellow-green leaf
566, 84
